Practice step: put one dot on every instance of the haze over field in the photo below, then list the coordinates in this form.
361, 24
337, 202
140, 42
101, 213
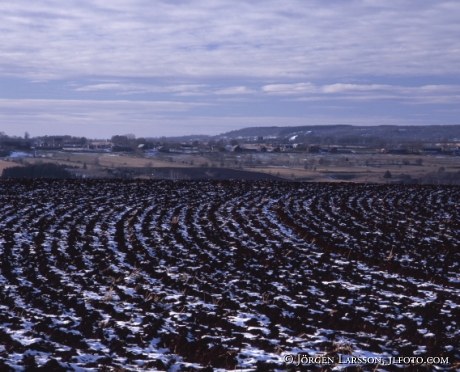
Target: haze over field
154, 68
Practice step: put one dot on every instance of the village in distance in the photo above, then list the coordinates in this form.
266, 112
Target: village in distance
333, 153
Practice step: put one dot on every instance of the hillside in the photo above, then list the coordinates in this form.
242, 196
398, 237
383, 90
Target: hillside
416, 132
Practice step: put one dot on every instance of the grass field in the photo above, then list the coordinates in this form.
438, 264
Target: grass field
360, 168
6, 164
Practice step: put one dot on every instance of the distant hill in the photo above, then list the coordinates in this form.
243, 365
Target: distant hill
407, 132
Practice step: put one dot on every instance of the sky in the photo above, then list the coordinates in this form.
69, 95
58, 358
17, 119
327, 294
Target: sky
182, 67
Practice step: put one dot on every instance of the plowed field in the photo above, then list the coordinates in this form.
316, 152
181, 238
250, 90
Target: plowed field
164, 275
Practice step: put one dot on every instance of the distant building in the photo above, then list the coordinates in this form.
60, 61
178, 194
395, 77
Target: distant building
121, 148
397, 150
313, 149
163, 149
69, 144
432, 149
343, 151
101, 144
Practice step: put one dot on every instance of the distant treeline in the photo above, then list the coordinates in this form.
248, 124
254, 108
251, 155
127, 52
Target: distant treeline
441, 177
44, 170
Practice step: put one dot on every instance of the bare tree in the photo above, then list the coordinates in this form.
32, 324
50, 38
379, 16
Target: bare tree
130, 136
387, 175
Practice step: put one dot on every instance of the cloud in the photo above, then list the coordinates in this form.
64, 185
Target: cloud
133, 88
428, 94
190, 61
289, 89
76, 105
46, 39
235, 91
341, 88
99, 87
435, 94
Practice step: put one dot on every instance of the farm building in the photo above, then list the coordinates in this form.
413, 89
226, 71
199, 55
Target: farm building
122, 148
397, 150
432, 149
